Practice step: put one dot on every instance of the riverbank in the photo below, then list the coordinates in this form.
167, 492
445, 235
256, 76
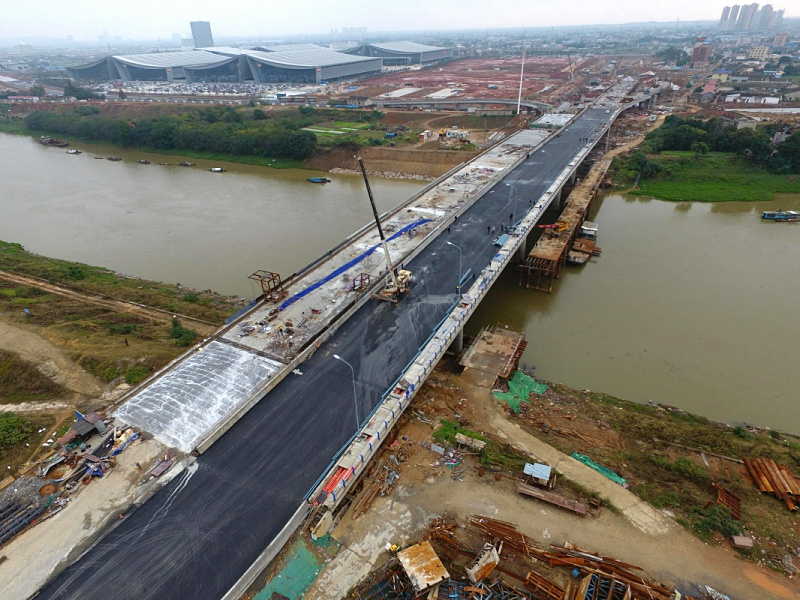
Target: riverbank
205, 306
401, 162
713, 177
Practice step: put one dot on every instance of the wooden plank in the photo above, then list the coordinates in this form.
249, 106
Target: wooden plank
551, 498
540, 584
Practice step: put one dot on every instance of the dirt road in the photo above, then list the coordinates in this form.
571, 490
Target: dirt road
116, 304
49, 360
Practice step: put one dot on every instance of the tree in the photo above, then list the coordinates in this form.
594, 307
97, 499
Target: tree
789, 152
699, 148
37, 90
81, 93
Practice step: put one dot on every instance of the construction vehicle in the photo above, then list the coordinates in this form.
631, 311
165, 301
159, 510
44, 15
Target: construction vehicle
397, 284
558, 227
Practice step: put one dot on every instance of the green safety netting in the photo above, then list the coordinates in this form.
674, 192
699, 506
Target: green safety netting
600, 469
519, 388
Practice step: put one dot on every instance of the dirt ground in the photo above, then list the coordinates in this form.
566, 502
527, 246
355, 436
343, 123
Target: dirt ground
635, 533
51, 361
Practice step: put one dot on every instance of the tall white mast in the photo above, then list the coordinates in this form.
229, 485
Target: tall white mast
521, 72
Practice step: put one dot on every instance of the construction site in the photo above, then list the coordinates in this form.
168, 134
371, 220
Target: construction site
483, 491
469, 479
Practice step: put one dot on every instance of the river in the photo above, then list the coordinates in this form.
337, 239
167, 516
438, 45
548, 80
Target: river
178, 224
689, 304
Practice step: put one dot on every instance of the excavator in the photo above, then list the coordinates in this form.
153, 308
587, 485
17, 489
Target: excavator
556, 227
397, 284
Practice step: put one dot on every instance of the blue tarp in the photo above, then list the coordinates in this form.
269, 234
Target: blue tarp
348, 265
241, 311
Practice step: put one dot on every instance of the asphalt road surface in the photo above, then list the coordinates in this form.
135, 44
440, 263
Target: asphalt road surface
197, 535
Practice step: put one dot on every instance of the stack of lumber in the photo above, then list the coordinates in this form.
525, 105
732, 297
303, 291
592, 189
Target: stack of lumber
772, 478
609, 570
599, 572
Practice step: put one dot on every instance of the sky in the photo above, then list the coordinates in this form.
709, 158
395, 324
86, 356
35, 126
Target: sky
149, 19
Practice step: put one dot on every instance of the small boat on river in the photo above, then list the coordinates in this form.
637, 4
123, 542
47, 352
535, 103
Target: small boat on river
185, 164
113, 158
144, 162
73, 151
48, 141
319, 180
217, 170
780, 215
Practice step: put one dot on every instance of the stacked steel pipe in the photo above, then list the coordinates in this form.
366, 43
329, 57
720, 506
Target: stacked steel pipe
772, 478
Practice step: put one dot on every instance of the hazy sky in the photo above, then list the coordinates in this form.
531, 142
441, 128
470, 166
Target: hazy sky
85, 19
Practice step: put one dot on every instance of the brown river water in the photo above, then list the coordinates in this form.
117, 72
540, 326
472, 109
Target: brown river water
689, 304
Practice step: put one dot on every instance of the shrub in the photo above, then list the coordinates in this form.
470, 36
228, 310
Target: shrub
715, 518
136, 374
126, 329
183, 336
13, 430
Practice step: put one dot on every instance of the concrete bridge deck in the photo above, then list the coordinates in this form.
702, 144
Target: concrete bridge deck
207, 527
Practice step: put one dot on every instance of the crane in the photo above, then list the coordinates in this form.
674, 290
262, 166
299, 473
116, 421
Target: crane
398, 281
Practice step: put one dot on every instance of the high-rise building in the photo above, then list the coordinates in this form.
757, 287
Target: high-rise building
750, 18
763, 18
746, 17
201, 34
723, 20
730, 14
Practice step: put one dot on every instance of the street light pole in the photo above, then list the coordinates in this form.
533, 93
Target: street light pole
355, 397
459, 266
514, 197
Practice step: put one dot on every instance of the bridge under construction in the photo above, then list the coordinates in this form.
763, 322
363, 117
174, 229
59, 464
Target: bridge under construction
281, 423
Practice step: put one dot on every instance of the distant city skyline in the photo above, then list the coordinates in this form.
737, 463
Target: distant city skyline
89, 20
749, 17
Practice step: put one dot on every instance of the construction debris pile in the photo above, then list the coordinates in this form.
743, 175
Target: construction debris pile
85, 452
384, 475
772, 478
508, 567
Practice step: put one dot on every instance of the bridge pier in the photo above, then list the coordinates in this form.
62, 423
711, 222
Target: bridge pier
558, 201
457, 344
522, 251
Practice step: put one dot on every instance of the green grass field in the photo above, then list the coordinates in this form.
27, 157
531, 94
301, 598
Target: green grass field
715, 177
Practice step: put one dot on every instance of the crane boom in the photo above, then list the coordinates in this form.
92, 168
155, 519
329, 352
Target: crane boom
378, 223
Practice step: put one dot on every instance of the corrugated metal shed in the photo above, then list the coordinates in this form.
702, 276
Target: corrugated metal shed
422, 566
